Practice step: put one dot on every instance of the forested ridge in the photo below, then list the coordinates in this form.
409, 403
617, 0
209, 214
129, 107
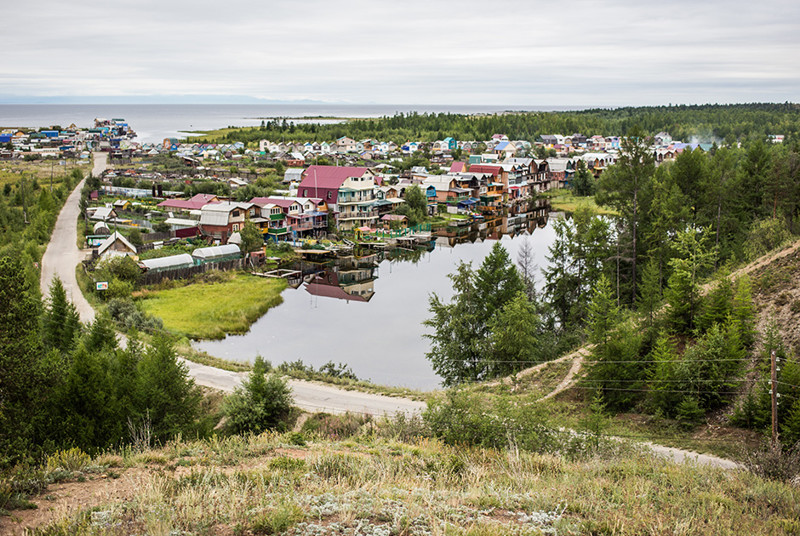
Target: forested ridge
727, 123
632, 286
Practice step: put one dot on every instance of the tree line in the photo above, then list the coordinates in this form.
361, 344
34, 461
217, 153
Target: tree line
727, 123
632, 285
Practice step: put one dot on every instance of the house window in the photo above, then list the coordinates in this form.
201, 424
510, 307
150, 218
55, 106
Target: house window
329, 195
305, 192
235, 227
235, 213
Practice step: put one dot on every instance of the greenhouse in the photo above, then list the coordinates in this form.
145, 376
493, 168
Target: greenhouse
173, 262
216, 253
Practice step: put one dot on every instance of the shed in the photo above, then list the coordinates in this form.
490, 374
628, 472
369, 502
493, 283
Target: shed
116, 245
100, 228
173, 262
216, 253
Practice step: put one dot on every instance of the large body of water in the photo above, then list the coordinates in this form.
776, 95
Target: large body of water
154, 122
381, 339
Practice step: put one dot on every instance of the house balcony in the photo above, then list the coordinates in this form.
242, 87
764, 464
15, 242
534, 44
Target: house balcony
357, 201
277, 230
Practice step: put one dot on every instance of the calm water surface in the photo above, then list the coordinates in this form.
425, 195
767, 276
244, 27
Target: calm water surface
154, 122
381, 339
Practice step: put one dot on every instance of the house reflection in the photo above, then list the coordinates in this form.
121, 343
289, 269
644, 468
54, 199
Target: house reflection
349, 283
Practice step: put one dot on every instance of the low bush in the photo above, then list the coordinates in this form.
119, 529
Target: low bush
72, 460
127, 315
775, 462
335, 426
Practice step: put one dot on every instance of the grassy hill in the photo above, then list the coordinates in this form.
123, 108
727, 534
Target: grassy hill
372, 483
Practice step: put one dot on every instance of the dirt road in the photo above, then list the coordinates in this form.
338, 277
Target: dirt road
62, 254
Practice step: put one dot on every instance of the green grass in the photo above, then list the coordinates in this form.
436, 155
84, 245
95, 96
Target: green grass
212, 310
564, 200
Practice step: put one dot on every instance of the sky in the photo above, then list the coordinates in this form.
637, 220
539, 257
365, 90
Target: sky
578, 53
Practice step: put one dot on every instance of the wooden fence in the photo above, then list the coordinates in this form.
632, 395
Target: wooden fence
152, 278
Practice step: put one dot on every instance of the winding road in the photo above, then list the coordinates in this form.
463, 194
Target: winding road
63, 255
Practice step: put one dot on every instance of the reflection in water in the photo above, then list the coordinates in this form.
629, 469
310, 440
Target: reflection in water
374, 324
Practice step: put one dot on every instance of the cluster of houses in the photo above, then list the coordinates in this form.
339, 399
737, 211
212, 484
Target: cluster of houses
360, 198
69, 142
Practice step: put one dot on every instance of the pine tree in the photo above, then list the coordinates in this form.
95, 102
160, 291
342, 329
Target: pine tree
514, 333
603, 313
166, 390
649, 298
20, 366
61, 322
743, 311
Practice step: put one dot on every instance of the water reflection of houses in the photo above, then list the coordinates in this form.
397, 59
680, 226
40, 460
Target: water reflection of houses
519, 218
351, 278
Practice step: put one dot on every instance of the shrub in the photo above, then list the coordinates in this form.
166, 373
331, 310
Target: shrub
72, 460
262, 403
126, 314
335, 426
774, 462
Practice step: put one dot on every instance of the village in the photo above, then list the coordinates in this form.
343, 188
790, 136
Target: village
323, 202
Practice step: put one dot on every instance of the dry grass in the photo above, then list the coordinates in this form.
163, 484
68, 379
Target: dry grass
265, 485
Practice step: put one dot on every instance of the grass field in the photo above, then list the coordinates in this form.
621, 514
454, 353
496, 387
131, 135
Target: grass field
212, 310
564, 200
11, 171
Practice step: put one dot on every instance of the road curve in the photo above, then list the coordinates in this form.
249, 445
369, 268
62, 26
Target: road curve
313, 397
61, 258
62, 254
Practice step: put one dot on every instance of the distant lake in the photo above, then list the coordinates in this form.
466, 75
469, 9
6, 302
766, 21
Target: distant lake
380, 339
154, 122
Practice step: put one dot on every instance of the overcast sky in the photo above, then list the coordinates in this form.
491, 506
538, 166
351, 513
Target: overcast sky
575, 53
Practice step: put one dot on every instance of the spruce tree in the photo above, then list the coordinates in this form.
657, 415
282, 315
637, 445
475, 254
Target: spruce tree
166, 391
20, 367
61, 322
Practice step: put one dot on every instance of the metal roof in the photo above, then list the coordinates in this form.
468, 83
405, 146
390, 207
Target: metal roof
184, 260
214, 252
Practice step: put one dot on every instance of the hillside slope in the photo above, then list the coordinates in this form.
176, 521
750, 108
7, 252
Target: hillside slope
368, 485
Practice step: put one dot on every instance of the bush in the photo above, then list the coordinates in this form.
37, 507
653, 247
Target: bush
262, 403
71, 460
126, 314
775, 463
335, 426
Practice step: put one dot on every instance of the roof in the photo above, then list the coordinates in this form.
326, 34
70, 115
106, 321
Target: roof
457, 167
184, 260
393, 217
216, 251
102, 213
195, 203
283, 202
108, 242
330, 176
483, 168
181, 222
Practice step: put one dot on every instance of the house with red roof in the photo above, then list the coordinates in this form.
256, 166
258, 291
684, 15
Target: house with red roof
458, 167
348, 191
197, 202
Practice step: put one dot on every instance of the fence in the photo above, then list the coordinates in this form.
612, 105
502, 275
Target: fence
153, 278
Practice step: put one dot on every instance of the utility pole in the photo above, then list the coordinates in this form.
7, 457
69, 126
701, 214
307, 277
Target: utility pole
774, 391
24, 204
